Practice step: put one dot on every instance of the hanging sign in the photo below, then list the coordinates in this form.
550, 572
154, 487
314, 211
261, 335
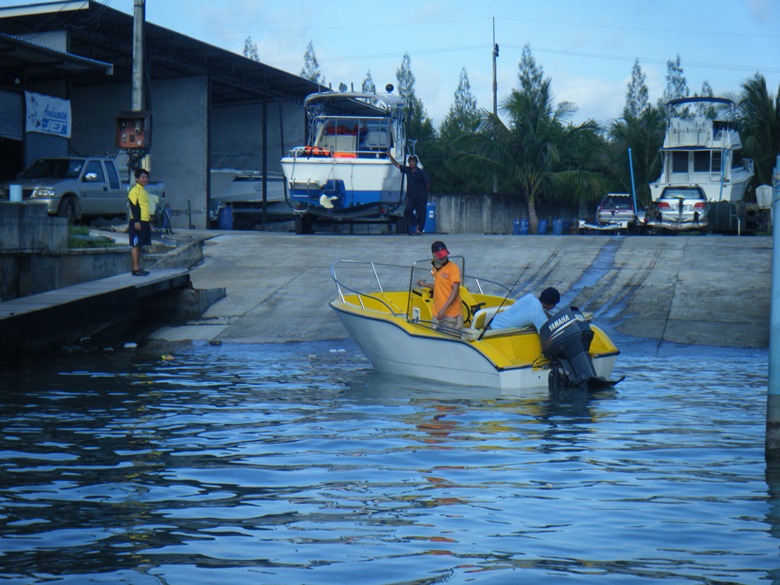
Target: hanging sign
47, 114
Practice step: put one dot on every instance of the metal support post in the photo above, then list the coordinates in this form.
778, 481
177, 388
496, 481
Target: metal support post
773, 390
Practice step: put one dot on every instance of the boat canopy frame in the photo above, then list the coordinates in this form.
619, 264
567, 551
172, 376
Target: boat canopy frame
366, 109
373, 269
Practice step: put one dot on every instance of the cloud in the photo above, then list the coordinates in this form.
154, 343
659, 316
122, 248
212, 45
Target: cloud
595, 99
760, 10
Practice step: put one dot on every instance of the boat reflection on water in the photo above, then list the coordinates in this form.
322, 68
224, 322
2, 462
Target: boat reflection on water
373, 385
576, 406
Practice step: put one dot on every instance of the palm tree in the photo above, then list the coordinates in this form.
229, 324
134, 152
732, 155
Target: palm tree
526, 153
760, 126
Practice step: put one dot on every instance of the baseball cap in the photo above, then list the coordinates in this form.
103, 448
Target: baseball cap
439, 249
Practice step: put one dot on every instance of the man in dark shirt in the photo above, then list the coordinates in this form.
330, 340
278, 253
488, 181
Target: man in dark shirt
417, 184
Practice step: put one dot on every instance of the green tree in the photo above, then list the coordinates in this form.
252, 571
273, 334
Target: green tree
636, 95
759, 113
420, 126
250, 49
705, 109
530, 74
676, 86
311, 67
368, 84
463, 116
463, 119
530, 154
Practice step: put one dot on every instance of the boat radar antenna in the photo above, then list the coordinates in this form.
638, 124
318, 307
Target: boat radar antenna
389, 88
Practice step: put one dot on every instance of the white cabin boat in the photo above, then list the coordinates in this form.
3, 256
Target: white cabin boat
700, 155
704, 152
343, 172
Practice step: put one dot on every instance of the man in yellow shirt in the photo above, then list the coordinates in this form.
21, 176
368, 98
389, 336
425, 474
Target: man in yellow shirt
446, 289
139, 228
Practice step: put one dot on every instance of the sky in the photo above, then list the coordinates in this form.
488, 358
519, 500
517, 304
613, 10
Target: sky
586, 47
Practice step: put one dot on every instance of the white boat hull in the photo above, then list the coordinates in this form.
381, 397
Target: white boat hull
393, 350
366, 181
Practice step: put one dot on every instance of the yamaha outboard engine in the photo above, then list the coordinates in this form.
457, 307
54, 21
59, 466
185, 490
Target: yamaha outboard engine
566, 341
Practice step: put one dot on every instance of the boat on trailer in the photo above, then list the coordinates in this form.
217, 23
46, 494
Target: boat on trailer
704, 178
343, 173
394, 329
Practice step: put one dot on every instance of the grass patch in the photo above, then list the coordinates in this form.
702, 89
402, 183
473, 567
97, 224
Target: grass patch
78, 237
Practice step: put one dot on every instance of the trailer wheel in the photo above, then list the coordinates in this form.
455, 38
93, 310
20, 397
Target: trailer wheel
243, 224
303, 225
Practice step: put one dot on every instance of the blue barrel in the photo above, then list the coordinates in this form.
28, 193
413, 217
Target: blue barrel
430, 218
542, 228
520, 227
523, 227
558, 227
225, 218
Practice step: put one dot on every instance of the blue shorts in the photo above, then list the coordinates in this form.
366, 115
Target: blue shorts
142, 237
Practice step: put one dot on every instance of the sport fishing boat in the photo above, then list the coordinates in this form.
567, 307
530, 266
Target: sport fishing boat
395, 331
343, 172
704, 178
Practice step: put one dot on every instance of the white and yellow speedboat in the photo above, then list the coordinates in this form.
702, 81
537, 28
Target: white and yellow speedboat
394, 330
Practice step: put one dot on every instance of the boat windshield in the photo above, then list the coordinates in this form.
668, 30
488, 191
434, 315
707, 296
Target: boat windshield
352, 135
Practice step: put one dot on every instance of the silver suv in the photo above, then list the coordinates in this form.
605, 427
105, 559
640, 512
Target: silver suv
616, 208
682, 207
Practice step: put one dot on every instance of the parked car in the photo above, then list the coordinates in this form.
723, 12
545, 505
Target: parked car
616, 208
682, 207
77, 187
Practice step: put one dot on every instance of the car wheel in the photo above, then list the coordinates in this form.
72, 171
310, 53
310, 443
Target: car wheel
67, 209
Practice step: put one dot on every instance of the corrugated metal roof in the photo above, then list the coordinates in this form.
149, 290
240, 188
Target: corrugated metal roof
17, 52
99, 34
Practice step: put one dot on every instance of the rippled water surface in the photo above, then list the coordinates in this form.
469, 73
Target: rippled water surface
296, 464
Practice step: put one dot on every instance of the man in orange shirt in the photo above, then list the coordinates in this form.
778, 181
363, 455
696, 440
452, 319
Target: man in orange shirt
446, 289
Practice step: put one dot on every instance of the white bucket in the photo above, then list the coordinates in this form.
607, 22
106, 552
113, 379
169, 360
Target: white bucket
16, 193
764, 196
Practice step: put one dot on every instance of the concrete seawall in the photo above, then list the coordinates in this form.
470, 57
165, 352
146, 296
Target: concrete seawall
708, 290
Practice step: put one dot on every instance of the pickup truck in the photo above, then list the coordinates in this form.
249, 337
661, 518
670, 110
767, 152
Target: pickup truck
78, 187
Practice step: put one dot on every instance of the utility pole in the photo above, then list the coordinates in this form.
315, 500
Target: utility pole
773, 390
495, 91
139, 15
495, 82
133, 128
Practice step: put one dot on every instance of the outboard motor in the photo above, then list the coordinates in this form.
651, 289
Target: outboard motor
565, 342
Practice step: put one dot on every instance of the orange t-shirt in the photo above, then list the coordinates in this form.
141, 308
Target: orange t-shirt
443, 280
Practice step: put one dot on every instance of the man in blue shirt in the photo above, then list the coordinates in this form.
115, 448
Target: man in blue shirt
528, 310
417, 184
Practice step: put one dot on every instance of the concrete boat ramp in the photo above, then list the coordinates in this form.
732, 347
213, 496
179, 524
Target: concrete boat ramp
274, 287
709, 290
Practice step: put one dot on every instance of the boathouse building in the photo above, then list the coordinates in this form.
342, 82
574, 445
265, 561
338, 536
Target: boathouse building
210, 108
